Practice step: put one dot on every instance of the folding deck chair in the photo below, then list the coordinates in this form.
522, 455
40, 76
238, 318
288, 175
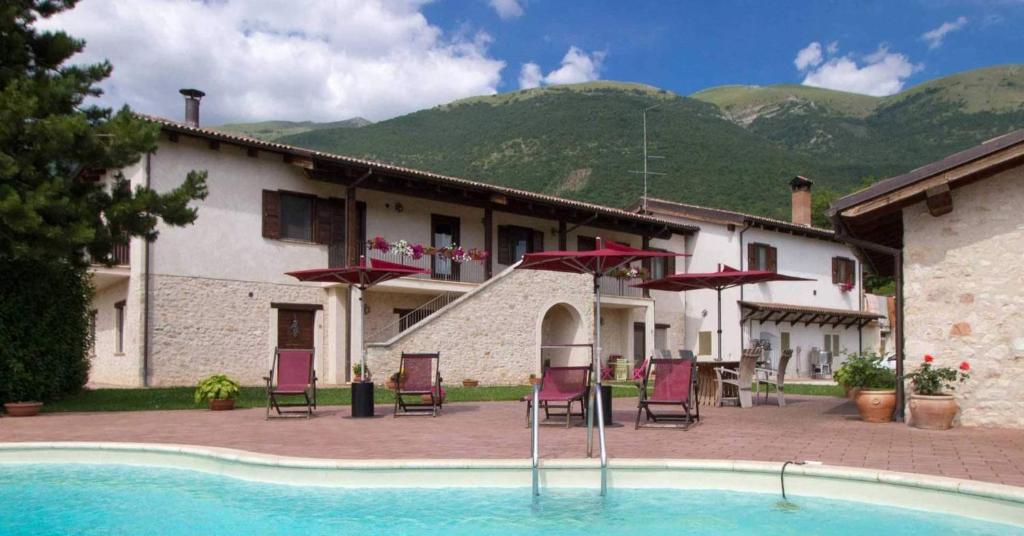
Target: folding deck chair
774, 377
560, 387
422, 378
291, 375
675, 386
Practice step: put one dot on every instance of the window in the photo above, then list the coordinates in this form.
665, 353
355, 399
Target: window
304, 217
660, 267
784, 343
704, 343
586, 243
843, 271
119, 327
92, 332
444, 232
639, 342
661, 336
762, 257
832, 343
514, 242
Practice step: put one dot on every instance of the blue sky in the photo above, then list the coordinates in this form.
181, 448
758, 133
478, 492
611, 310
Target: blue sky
326, 60
689, 46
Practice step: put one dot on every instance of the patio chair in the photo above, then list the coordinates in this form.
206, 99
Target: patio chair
641, 370
675, 387
741, 379
608, 371
422, 381
774, 377
560, 387
291, 375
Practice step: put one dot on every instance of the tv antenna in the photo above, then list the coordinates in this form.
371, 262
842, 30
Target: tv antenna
647, 158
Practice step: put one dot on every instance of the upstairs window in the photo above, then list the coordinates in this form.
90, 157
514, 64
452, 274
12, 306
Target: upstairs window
303, 217
586, 243
843, 271
660, 267
297, 217
514, 242
762, 257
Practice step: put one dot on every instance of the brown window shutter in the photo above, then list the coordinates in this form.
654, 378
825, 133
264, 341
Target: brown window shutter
670, 266
323, 219
537, 244
835, 270
337, 221
751, 256
504, 247
773, 260
271, 214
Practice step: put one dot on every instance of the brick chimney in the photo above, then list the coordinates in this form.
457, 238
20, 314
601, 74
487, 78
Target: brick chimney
801, 200
192, 97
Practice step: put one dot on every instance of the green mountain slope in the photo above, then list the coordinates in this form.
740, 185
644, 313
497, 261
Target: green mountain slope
731, 147
272, 130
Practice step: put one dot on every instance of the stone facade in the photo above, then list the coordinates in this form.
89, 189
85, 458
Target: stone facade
964, 298
493, 334
209, 326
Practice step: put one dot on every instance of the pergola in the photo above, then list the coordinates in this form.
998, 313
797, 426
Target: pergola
781, 313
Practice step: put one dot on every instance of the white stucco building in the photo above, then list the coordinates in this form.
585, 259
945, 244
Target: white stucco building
213, 297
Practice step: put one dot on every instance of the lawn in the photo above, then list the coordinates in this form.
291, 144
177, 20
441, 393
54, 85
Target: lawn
157, 398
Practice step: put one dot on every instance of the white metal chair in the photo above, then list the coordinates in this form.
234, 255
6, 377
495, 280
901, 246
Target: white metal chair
742, 379
776, 377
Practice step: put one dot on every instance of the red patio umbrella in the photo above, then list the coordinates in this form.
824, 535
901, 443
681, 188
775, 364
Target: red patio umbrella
364, 275
598, 262
725, 277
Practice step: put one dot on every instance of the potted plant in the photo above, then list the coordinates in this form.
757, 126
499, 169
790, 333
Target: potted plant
395, 379
470, 383
439, 392
219, 390
23, 409
932, 407
874, 383
357, 372
534, 380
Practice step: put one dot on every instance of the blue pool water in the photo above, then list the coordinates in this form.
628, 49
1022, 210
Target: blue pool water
104, 499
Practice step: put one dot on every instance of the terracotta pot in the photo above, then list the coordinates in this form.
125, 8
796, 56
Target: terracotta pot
357, 378
222, 404
470, 383
534, 380
876, 406
390, 384
23, 409
933, 412
851, 392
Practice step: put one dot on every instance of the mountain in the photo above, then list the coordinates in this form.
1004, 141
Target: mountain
731, 147
272, 130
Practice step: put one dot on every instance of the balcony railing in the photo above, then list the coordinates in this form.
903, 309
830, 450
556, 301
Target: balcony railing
440, 269
613, 286
119, 254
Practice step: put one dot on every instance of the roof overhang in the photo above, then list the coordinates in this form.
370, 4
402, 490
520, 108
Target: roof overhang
874, 215
373, 175
781, 313
669, 209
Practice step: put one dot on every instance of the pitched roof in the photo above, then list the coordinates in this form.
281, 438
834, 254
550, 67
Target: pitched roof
716, 215
245, 141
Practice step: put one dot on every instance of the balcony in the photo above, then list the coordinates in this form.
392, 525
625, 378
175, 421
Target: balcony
623, 288
440, 269
104, 276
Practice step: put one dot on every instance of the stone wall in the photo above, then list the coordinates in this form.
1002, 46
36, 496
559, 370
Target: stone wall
493, 334
206, 326
964, 296
107, 365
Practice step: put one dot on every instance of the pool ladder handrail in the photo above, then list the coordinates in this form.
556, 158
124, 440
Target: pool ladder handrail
600, 436
536, 440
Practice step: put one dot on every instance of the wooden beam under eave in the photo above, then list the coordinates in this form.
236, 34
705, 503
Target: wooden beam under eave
814, 320
939, 200
301, 161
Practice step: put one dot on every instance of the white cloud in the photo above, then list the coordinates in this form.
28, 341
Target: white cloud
530, 76
880, 73
935, 37
809, 56
507, 9
314, 60
577, 66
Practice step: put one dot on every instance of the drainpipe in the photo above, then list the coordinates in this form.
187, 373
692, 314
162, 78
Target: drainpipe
746, 226
145, 289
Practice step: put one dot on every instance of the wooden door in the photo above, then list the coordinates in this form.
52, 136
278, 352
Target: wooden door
295, 328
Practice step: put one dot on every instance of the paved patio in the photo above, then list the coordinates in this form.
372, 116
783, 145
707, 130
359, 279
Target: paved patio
808, 428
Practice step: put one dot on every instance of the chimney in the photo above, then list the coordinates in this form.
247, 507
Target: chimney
801, 200
192, 97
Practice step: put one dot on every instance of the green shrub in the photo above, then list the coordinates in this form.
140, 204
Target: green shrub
44, 330
216, 387
865, 371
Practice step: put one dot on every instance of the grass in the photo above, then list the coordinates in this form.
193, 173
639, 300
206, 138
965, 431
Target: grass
168, 398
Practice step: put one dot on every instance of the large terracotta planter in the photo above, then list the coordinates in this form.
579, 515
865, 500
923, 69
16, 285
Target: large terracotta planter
933, 412
876, 406
23, 409
470, 383
222, 404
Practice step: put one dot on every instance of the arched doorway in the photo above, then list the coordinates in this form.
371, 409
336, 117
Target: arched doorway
562, 324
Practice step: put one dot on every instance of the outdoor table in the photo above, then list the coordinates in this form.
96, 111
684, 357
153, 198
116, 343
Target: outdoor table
707, 384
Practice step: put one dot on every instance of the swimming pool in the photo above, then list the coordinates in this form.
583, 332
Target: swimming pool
110, 499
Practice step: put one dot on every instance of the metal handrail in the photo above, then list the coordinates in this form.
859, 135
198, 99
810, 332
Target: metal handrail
600, 437
536, 440
413, 317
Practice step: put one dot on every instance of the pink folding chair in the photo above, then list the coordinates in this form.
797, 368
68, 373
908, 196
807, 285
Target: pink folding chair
675, 385
640, 372
291, 375
422, 379
560, 387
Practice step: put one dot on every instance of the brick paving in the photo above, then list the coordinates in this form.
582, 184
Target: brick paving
808, 428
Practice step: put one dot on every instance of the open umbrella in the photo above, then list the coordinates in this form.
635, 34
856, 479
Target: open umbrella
598, 262
364, 275
725, 277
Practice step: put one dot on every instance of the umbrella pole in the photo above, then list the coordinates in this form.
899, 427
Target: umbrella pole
720, 325
362, 338
596, 364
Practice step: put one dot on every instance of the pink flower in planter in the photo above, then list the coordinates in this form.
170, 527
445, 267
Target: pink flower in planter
380, 244
417, 251
928, 358
965, 366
